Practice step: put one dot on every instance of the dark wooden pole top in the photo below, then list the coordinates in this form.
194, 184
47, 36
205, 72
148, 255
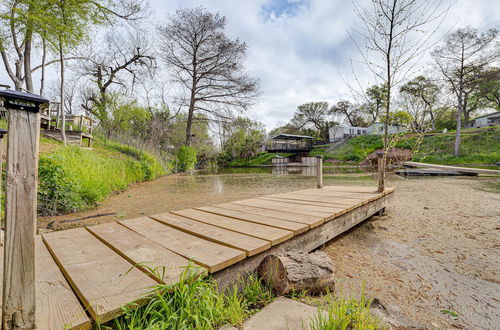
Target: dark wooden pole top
22, 101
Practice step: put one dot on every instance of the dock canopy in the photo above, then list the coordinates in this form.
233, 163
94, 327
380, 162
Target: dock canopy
291, 143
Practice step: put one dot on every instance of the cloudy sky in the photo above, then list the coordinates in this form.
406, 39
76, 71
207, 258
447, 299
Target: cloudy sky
300, 49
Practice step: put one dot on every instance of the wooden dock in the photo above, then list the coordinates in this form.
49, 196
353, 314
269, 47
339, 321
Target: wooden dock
86, 275
453, 169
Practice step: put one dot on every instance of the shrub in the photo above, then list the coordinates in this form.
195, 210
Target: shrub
186, 159
72, 178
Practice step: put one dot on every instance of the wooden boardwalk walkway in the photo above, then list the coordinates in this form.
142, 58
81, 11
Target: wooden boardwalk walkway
88, 273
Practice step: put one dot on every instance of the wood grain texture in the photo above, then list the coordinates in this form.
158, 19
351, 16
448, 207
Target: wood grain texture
454, 168
296, 227
20, 220
152, 258
271, 234
311, 210
316, 199
336, 207
210, 255
311, 220
57, 307
102, 279
250, 245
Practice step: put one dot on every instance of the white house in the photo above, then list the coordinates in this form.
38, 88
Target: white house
490, 119
378, 129
339, 132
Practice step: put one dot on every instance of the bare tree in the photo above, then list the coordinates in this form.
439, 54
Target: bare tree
317, 114
461, 60
206, 65
116, 65
391, 39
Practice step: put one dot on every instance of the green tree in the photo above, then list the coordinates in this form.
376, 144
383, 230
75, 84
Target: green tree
375, 102
317, 114
424, 91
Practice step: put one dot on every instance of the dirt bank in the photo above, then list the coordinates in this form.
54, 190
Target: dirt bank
436, 249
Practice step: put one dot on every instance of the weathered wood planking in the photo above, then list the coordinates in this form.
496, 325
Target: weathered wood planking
345, 207
306, 241
152, 258
318, 199
57, 307
20, 220
210, 255
295, 227
306, 210
454, 168
335, 209
271, 234
103, 280
311, 220
250, 245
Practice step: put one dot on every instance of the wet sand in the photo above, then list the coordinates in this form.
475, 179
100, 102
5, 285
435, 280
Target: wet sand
436, 248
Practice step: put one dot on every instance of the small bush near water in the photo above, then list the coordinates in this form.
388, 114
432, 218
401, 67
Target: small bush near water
340, 313
72, 178
186, 159
195, 303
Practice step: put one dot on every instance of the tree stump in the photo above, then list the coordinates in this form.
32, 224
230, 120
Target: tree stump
297, 271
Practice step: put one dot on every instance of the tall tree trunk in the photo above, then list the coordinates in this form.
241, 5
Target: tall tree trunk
27, 59
433, 120
63, 116
456, 147
44, 56
189, 123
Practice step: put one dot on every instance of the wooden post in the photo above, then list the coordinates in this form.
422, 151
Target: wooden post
319, 171
20, 209
381, 170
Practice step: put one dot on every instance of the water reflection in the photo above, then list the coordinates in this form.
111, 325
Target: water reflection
303, 170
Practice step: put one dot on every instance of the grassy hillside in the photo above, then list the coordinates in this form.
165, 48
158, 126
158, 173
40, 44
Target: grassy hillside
477, 147
73, 178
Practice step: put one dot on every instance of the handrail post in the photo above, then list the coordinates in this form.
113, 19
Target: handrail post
381, 171
19, 304
319, 171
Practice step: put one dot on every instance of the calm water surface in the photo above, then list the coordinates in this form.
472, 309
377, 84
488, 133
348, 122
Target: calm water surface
203, 188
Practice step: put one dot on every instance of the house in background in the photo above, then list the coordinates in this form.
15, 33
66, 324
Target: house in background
291, 143
339, 132
378, 129
491, 119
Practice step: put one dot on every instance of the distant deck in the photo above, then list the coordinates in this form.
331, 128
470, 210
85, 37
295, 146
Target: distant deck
88, 273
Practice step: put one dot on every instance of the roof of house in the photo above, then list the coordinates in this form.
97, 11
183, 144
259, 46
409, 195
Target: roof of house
292, 137
487, 115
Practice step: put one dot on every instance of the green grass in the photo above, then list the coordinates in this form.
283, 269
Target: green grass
342, 313
195, 303
262, 158
477, 147
72, 178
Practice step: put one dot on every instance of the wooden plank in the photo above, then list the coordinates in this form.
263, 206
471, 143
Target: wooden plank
342, 196
324, 200
20, 220
271, 234
102, 279
307, 210
345, 207
152, 258
311, 220
210, 255
454, 168
57, 307
295, 227
305, 242
334, 200
250, 245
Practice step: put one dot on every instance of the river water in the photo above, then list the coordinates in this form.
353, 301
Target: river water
176, 192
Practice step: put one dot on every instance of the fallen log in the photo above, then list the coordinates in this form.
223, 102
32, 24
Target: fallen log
297, 271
